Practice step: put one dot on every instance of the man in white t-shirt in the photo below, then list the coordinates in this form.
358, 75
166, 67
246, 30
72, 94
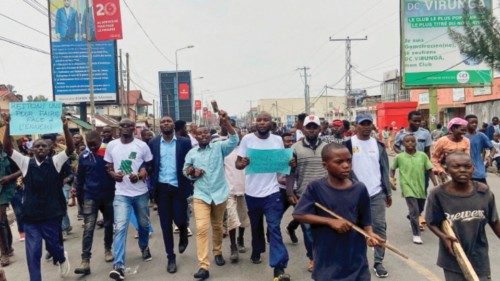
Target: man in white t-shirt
127, 158
262, 194
370, 165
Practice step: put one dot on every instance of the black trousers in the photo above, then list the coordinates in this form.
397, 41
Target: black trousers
90, 210
172, 207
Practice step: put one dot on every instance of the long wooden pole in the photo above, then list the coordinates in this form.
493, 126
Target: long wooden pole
361, 231
463, 261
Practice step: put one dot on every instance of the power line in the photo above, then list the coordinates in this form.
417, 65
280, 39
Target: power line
39, 5
37, 8
25, 25
146, 34
23, 45
366, 76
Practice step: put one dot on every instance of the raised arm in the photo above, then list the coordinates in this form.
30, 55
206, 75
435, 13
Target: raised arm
70, 146
7, 141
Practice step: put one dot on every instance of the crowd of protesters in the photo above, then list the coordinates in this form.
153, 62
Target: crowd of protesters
196, 175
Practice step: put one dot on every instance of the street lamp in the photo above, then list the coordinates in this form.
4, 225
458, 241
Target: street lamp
176, 84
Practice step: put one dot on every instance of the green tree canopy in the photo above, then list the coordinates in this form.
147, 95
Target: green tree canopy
481, 38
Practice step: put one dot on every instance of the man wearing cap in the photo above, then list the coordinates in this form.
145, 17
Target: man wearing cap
370, 165
307, 154
337, 135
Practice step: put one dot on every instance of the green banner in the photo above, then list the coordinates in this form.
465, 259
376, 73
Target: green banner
429, 58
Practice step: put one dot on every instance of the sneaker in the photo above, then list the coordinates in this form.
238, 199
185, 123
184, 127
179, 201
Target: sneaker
256, 258
21, 237
48, 257
280, 275
84, 268
189, 232
146, 254
117, 274
176, 229
417, 240
4, 260
108, 255
234, 254
241, 245
64, 267
293, 236
379, 270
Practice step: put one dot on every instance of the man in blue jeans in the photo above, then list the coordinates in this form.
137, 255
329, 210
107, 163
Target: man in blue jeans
263, 198
370, 165
127, 158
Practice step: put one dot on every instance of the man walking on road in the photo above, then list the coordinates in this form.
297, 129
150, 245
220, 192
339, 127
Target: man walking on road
127, 158
44, 204
264, 199
370, 165
205, 165
96, 190
307, 154
479, 142
170, 187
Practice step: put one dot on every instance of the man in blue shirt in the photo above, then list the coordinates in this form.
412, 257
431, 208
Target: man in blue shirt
422, 135
205, 165
479, 142
66, 22
170, 187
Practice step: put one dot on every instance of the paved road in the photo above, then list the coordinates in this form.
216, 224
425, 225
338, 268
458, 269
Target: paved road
398, 230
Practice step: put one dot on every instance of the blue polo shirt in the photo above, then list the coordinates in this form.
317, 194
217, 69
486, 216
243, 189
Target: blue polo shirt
168, 162
422, 136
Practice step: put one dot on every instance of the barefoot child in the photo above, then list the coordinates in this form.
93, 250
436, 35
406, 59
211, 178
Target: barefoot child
340, 253
412, 165
468, 206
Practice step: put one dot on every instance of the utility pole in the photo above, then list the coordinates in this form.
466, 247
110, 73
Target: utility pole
154, 116
128, 85
251, 112
348, 66
306, 89
90, 69
121, 83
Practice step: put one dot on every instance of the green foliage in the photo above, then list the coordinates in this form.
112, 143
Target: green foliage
481, 38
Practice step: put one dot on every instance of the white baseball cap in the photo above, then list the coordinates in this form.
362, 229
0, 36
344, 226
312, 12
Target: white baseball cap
312, 119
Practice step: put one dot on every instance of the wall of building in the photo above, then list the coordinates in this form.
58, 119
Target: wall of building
324, 107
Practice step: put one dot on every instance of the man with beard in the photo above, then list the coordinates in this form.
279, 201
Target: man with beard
307, 154
126, 159
205, 165
170, 187
263, 198
370, 165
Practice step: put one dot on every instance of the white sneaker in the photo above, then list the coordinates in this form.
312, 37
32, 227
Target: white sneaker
64, 267
189, 232
417, 240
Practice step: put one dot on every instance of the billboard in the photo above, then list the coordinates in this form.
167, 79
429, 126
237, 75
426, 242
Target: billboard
69, 59
108, 24
429, 58
185, 96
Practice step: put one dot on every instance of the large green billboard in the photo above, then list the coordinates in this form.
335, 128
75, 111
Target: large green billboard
429, 58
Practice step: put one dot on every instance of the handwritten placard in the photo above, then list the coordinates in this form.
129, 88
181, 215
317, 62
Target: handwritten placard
269, 161
28, 118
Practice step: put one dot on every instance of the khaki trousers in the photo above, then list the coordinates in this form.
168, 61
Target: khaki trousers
206, 215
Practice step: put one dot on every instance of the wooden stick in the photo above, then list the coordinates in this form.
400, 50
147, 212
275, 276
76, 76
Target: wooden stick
361, 231
463, 261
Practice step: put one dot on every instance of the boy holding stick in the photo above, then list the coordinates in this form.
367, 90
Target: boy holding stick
340, 253
468, 206
412, 165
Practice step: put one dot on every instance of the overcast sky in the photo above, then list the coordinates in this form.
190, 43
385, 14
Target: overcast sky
245, 50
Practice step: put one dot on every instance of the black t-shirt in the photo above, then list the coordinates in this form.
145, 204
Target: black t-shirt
468, 216
338, 256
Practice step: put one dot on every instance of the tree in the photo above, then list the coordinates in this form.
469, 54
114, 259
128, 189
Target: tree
30, 98
481, 38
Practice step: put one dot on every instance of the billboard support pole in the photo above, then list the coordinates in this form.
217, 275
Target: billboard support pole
433, 109
89, 65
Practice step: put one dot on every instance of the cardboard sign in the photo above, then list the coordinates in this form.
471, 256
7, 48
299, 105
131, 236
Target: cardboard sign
28, 118
269, 161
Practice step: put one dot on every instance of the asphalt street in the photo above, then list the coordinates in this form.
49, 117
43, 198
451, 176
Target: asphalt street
423, 257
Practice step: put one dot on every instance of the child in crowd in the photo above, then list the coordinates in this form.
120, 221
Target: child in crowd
468, 206
412, 165
496, 145
340, 253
